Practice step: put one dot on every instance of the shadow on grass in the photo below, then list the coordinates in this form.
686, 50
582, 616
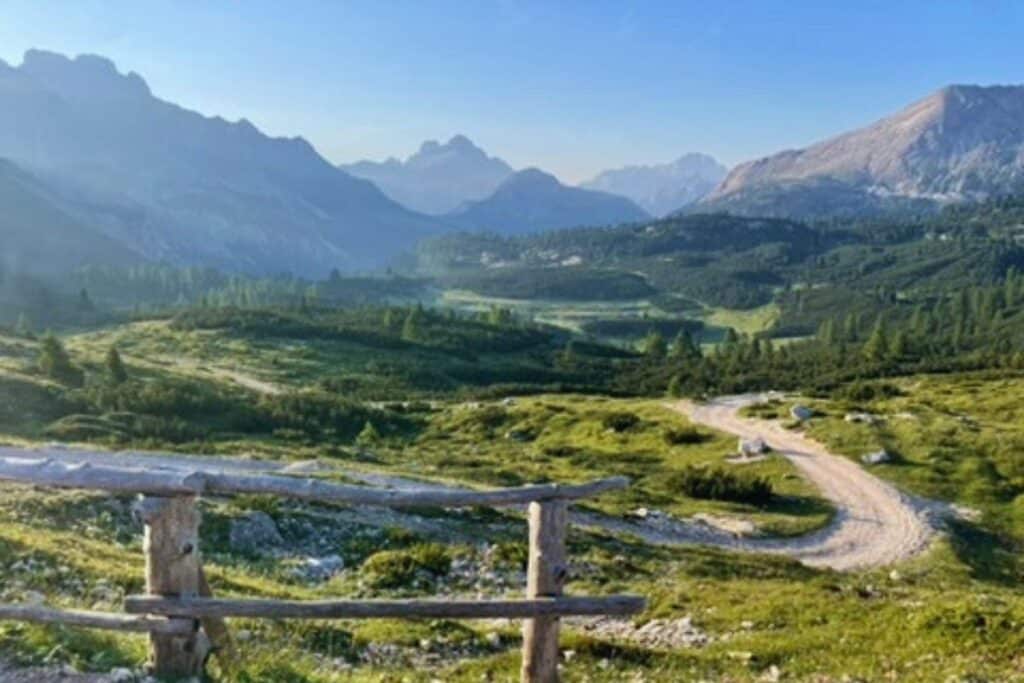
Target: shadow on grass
800, 506
990, 557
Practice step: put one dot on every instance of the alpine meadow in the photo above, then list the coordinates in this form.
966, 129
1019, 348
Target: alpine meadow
572, 342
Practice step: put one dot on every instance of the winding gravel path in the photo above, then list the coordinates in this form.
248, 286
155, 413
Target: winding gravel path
874, 525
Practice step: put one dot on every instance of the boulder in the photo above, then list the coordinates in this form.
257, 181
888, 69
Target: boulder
801, 413
321, 568
751, 447
876, 458
254, 532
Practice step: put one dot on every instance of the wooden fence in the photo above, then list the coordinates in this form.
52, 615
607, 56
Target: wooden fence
186, 623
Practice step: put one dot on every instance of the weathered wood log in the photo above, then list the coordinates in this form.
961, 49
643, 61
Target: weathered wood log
43, 472
176, 483
171, 546
39, 614
217, 630
546, 574
386, 609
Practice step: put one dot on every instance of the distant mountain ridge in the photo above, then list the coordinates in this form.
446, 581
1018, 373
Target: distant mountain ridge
961, 143
534, 201
180, 187
661, 189
438, 178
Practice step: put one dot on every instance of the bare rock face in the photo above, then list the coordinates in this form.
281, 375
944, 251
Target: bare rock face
661, 189
964, 142
254, 533
439, 177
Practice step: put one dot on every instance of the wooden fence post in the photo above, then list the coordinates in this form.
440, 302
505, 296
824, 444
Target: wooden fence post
171, 545
546, 575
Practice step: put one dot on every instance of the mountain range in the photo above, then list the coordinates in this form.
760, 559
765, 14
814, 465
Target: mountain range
176, 186
961, 143
95, 168
438, 178
533, 201
663, 188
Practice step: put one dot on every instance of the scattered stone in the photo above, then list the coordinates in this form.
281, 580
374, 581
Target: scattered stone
656, 633
321, 568
801, 413
877, 458
738, 527
752, 447
254, 532
861, 418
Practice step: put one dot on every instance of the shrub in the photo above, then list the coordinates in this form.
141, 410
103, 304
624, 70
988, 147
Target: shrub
719, 484
679, 436
620, 421
401, 568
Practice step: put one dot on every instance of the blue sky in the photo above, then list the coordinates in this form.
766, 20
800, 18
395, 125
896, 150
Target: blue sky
572, 87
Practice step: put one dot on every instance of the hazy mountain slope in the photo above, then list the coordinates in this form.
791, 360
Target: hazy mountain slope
178, 186
662, 188
961, 143
37, 237
438, 178
533, 201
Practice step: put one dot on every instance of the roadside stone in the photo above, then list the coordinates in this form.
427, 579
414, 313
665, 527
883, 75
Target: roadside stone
801, 413
877, 458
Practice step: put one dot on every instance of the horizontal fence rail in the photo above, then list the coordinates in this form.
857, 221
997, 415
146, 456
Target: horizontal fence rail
39, 614
186, 623
167, 482
615, 605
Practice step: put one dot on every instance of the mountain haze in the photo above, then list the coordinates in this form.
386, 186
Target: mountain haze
533, 201
962, 143
180, 187
438, 178
38, 238
662, 188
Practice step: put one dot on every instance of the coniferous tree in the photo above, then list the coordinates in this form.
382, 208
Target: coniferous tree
115, 367
654, 346
876, 348
412, 328
55, 363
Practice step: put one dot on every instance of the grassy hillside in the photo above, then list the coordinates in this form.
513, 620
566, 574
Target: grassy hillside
951, 612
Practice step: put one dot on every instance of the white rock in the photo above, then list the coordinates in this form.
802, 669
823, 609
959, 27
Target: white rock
876, 458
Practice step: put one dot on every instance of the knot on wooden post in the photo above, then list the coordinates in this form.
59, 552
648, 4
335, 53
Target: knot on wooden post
171, 545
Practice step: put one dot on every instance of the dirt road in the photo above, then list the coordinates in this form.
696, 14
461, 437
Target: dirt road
875, 524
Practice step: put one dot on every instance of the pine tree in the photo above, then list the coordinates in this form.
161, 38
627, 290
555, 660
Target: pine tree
85, 301
568, 357
369, 436
876, 348
23, 327
115, 367
898, 345
55, 363
654, 346
675, 387
412, 328
684, 348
